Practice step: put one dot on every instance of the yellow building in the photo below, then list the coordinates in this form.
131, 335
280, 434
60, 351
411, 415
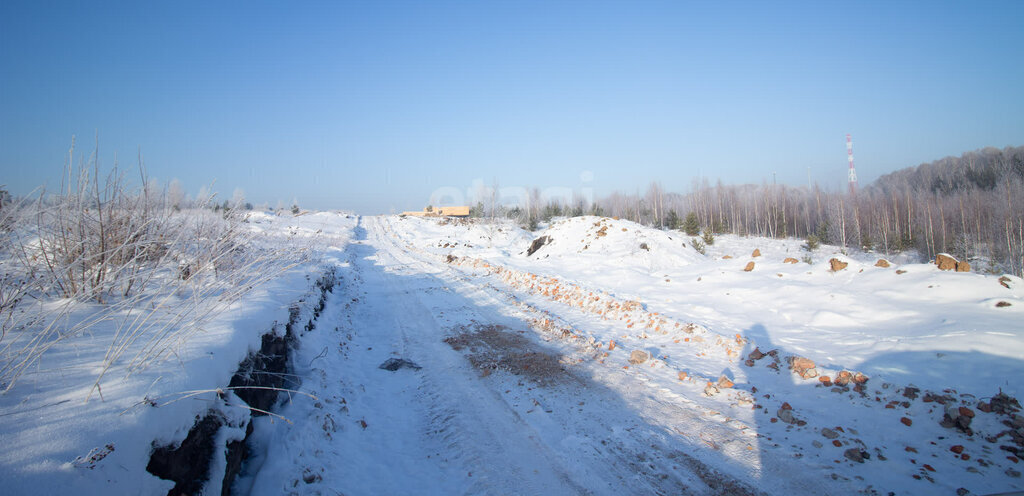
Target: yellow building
460, 211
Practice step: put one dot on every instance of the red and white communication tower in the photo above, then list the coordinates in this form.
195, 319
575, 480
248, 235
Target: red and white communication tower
853, 172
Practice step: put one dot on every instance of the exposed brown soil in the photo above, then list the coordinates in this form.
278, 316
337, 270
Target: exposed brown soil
495, 347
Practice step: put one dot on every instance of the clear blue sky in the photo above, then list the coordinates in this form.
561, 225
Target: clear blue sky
373, 105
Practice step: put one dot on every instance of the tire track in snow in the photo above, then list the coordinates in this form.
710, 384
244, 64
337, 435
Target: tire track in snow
479, 430
682, 419
626, 455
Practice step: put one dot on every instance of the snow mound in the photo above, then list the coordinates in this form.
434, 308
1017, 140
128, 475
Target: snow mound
461, 237
615, 242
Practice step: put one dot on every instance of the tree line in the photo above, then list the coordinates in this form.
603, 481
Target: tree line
968, 206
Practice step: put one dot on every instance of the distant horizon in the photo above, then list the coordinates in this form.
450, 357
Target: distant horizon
374, 107
586, 191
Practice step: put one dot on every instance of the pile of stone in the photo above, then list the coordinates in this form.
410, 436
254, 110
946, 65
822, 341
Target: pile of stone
948, 262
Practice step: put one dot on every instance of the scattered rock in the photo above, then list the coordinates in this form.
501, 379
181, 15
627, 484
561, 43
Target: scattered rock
929, 397
959, 417
724, 382
837, 265
1004, 281
309, 477
749, 267
637, 357
1002, 304
710, 389
817, 444
829, 433
394, 364
906, 421
786, 416
957, 449
837, 443
682, 375
1017, 422
1005, 404
911, 392
900, 271
643, 246
755, 355
790, 260
945, 262
537, 244
843, 378
804, 367
611, 345
854, 455
756, 253
882, 263
726, 257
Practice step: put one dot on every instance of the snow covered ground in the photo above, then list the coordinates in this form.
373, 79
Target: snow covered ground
907, 327
59, 434
614, 359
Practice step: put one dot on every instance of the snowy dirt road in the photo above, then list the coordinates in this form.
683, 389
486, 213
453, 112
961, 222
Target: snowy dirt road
497, 406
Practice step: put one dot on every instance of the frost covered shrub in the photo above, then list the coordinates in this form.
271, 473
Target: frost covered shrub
93, 239
101, 252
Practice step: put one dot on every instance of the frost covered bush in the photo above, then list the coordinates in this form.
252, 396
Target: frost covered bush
97, 251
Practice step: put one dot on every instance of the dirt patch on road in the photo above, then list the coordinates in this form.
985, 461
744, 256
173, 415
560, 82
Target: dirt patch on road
493, 347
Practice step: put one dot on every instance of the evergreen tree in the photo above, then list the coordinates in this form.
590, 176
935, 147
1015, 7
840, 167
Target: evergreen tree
691, 225
477, 211
672, 220
577, 211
